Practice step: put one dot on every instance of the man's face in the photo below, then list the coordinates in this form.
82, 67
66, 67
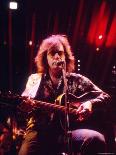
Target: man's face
55, 56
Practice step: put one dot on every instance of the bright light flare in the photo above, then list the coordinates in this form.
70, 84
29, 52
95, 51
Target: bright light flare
30, 43
13, 5
97, 49
100, 37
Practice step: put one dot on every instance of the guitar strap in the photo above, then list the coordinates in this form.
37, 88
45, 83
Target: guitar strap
32, 85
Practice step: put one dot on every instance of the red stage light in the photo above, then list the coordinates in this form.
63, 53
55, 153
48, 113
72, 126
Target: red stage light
100, 37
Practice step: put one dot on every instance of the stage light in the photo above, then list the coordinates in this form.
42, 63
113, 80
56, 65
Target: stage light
13, 5
100, 37
4, 42
99, 40
78, 65
97, 49
30, 43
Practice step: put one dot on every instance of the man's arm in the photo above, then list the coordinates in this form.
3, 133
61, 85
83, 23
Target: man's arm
98, 98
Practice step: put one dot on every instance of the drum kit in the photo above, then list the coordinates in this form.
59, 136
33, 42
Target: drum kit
12, 127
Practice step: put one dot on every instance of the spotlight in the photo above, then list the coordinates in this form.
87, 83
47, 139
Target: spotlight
100, 37
79, 65
13, 5
97, 49
30, 43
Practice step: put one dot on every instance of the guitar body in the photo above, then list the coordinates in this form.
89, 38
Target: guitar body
61, 108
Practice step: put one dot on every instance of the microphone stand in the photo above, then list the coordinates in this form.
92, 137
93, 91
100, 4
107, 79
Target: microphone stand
68, 133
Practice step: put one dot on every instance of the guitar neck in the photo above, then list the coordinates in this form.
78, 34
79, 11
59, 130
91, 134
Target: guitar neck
30, 105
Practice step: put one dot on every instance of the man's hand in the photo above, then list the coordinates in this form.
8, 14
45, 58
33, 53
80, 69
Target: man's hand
84, 110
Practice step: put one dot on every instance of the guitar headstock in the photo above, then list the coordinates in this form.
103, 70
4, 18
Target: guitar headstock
9, 97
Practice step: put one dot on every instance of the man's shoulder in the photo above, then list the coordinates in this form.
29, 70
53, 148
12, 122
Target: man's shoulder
74, 75
32, 85
35, 76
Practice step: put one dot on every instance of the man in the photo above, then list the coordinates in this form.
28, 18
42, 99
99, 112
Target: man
55, 76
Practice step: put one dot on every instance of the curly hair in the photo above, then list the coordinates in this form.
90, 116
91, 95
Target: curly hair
51, 42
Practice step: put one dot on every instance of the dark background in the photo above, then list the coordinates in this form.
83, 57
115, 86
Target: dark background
81, 20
